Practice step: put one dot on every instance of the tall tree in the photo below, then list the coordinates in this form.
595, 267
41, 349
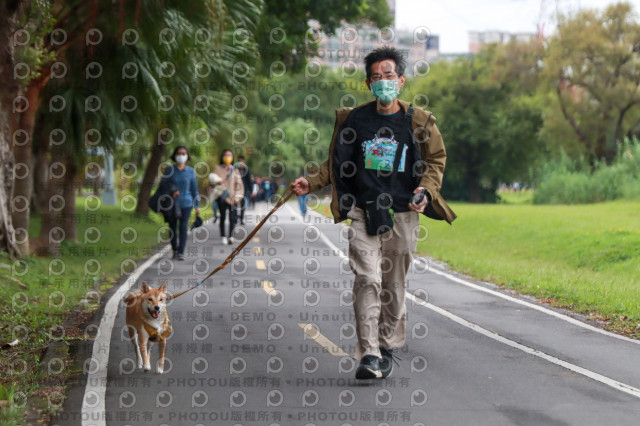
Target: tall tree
593, 66
10, 89
34, 56
488, 117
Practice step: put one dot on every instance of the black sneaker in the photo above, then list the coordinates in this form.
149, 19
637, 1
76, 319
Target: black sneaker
180, 256
386, 363
175, 254
369, 368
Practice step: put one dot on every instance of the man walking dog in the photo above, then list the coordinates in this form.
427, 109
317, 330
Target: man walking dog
386, 162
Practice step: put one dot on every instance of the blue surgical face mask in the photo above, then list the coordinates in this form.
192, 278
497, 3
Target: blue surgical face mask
385, 90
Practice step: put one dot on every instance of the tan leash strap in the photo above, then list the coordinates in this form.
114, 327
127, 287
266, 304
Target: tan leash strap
285, 197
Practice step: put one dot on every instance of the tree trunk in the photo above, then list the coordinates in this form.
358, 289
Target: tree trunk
22, 195
600, 150
40, 174
97, 184
570, 119
10, 89
7, 233
69, 218
612, 146
474, 191
50, 232
150, 174
22, 151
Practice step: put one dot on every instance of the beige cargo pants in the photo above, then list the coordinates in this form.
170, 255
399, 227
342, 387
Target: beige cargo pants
380, 264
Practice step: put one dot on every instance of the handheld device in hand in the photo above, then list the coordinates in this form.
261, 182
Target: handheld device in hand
417, 198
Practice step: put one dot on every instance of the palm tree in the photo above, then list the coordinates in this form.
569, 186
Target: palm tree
223, 64
193, 62
31, 53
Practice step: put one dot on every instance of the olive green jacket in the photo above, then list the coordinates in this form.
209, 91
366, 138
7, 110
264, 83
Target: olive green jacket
431, 148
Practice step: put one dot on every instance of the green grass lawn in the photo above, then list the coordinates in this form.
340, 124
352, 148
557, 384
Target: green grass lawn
584, 257
524, 196
52, 287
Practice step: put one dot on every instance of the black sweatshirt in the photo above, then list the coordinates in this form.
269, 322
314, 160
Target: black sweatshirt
364, 156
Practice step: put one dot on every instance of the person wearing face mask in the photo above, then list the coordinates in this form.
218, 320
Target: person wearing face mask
386, 163
186, 196
232, 198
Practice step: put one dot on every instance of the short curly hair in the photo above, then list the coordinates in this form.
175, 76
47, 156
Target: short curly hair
381, 54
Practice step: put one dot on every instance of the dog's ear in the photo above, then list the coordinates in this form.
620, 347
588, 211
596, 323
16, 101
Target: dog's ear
163, 287
145, 287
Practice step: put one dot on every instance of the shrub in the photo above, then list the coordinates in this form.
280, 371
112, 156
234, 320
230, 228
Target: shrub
573, 181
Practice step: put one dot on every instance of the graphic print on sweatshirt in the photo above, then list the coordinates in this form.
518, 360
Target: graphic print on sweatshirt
380, 153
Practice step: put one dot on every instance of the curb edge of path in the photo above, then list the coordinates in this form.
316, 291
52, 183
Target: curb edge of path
38, 406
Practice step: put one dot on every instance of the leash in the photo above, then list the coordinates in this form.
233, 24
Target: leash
285, 197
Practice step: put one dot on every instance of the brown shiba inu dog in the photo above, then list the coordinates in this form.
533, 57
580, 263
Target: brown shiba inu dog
147, 320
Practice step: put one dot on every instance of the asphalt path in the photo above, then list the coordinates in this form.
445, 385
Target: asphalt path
269, 340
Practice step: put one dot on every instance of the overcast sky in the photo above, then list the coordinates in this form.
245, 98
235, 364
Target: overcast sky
451, 19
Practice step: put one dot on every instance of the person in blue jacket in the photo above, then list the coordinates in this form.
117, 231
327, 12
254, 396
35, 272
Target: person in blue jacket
186, 197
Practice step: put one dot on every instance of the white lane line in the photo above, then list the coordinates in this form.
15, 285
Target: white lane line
95, 390
529, 304
323, 237
577, 369
260, 264
572, 367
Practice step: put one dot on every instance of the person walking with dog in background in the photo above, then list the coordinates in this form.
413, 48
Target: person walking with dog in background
186, 196
232, 197
386, 162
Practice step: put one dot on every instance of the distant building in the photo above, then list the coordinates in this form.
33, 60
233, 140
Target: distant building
450, 57
477, 39
350, 44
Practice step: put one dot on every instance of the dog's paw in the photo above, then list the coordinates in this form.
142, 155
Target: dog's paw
160, 370
147, 368
140, 364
